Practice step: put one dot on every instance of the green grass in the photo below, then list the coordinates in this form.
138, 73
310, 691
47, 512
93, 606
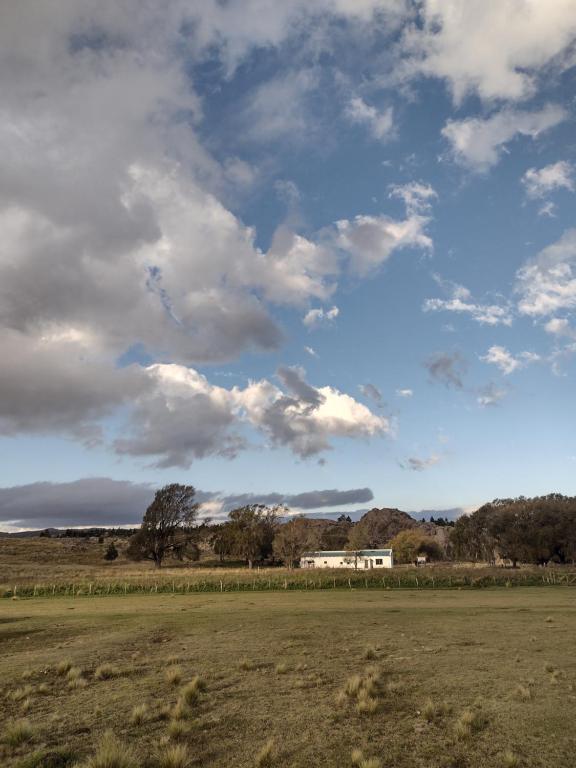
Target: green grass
448, 686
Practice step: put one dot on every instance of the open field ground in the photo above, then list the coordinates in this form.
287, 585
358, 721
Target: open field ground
412, 679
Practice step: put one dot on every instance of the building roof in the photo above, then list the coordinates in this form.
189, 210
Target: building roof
350, 553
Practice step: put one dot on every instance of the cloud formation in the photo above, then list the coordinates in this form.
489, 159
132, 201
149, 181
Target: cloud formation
506, 361
477, 143
461, 302
448, 368
101, 501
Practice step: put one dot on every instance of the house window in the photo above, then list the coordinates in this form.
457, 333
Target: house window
325, 562
378, 561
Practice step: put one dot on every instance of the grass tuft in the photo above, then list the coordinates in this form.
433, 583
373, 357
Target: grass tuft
282, 669
173, 756
192, 690
174, 675
139, 714
510, 760
468, 723
177, 729
63, 666
180, 710
522, 692
356, 757
112, 753
106, 672
265, 757
17, 732
369, 653
247, 665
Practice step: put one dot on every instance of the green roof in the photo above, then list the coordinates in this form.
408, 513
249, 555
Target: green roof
351, 553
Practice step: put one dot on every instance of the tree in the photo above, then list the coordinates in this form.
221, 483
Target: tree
111, 552
407, 545
168, 525
292, 539
252, 529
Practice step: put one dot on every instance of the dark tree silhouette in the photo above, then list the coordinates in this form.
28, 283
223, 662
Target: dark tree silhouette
168, 526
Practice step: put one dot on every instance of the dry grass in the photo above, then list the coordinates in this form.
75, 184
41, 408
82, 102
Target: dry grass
446, 647
510, 760
282, 668
106, 671
17, 732
174, 675
523, 692
266, 756
112, 753
139, 714
173, 756
469, 723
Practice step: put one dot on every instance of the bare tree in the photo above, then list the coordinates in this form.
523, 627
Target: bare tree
168, 525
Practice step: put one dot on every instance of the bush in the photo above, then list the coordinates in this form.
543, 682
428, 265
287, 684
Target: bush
112, 753
17, 732
111, 552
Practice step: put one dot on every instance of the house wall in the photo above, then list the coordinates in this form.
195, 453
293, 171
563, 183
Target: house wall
339, 562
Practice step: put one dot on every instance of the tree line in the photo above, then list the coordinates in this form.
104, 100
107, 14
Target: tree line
256, 533
538, 530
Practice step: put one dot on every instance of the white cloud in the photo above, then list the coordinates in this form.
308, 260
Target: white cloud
490, 395
546, 284
559, 326
380, 124
311, 351
416, 196
461, 302
540, 182
478, 143
496, 50
371, 240
404, 392
183, 417
506, 361
319, 316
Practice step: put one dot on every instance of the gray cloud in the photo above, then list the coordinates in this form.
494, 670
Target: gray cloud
100, 501
293, 380
372, 392
448, 368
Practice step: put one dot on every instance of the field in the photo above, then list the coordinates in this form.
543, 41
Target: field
412, 679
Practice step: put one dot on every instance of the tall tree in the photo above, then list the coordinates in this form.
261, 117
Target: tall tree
168, 525
292, 539
253, 528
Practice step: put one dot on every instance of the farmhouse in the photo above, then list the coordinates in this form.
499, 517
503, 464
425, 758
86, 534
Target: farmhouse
359, 559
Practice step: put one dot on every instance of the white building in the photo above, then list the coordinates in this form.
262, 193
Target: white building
361, 559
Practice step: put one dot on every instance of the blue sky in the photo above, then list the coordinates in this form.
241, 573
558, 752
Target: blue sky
273, 249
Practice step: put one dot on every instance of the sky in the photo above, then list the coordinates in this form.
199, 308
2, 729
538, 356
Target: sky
315, 253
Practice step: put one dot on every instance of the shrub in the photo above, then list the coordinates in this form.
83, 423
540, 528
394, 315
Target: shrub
265, 757
175, 756
112, 753
106, 672
17, 732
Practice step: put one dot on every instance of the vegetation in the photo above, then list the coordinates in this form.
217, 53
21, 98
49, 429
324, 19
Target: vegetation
414, 704
408, 544
168, 526
539, 530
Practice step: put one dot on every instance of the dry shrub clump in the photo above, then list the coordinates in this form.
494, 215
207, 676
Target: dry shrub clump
282, 669
247, 665
265, 757
106, 672
22, 693
75, 678
180, 710
369, 653
17, 732
112, 753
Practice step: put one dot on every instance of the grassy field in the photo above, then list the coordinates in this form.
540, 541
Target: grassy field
406, 678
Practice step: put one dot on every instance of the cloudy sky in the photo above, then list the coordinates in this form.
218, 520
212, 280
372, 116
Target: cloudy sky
269, 248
